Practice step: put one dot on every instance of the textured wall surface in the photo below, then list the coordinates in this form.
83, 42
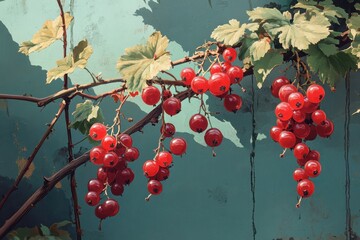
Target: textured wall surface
205, 197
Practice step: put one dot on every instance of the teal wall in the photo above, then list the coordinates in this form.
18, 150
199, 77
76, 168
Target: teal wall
205, 197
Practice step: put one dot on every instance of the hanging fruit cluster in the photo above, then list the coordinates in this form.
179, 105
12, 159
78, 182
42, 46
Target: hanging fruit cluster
112, 156
299, 120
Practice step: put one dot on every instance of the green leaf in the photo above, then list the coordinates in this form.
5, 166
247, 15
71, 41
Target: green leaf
330, 68
44, 230
246, 43
230, 33
266, 64
259, 48
23, 233
85, 115
327, 7
77, 59
143, 62
303, 30
51, 31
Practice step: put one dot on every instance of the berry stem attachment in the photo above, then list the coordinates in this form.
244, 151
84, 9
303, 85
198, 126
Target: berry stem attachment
283, 153
299, 202
148, 197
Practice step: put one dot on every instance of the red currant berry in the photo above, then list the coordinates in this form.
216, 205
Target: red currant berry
131, 154
172, 106
301, 130
102, 175
94, 185
125, 140
301, 161
232, 102
219, 83
154, 187
235, 74
277, 84
283, 111
164, 159
111, 159
285, 91
150, 95
275, 133
299, 116
108, 143
215, 68
178, 146
97, 131
99, 212
296, 100
312, 168
225, 66
313, 155
111, 207
301, 150
166, 94
168, 130
309, 107
97, 155
305, 188
325, 129
313, 133
162, 174
229, 54
92, 198
299, 174
199, 85
213, 137
117, 189
315, 93
126, 176
150, 168
187, 75
287, 139
318, 116
198, 123
285, 125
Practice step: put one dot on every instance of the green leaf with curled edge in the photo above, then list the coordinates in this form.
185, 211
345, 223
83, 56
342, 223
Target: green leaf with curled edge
327, 7
330, 68
303, 30
143, 62
77, 59
353, 24
230, 33
51, 31
266, 64
85, 115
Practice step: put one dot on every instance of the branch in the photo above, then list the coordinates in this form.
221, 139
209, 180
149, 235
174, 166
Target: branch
50, 182
33, 155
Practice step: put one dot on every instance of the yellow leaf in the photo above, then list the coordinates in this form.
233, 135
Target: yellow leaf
58, 185
21, 164
51, 31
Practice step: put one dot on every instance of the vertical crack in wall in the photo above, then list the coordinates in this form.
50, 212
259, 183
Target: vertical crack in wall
346, 156
72, 25
252, 157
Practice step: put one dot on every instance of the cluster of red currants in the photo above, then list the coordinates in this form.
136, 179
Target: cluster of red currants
112, 156
299, 119
222, 76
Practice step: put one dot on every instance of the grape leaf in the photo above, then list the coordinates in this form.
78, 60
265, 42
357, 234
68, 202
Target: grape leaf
85, 115
51, 31
78, 58
230, 33
266, 64
143, 62
305, 29
259, 48
330, 68
326, 7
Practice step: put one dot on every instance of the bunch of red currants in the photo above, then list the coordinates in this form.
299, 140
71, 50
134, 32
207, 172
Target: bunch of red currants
300, 119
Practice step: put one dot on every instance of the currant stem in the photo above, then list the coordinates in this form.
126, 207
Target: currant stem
299, 202
283, 153
148, 197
